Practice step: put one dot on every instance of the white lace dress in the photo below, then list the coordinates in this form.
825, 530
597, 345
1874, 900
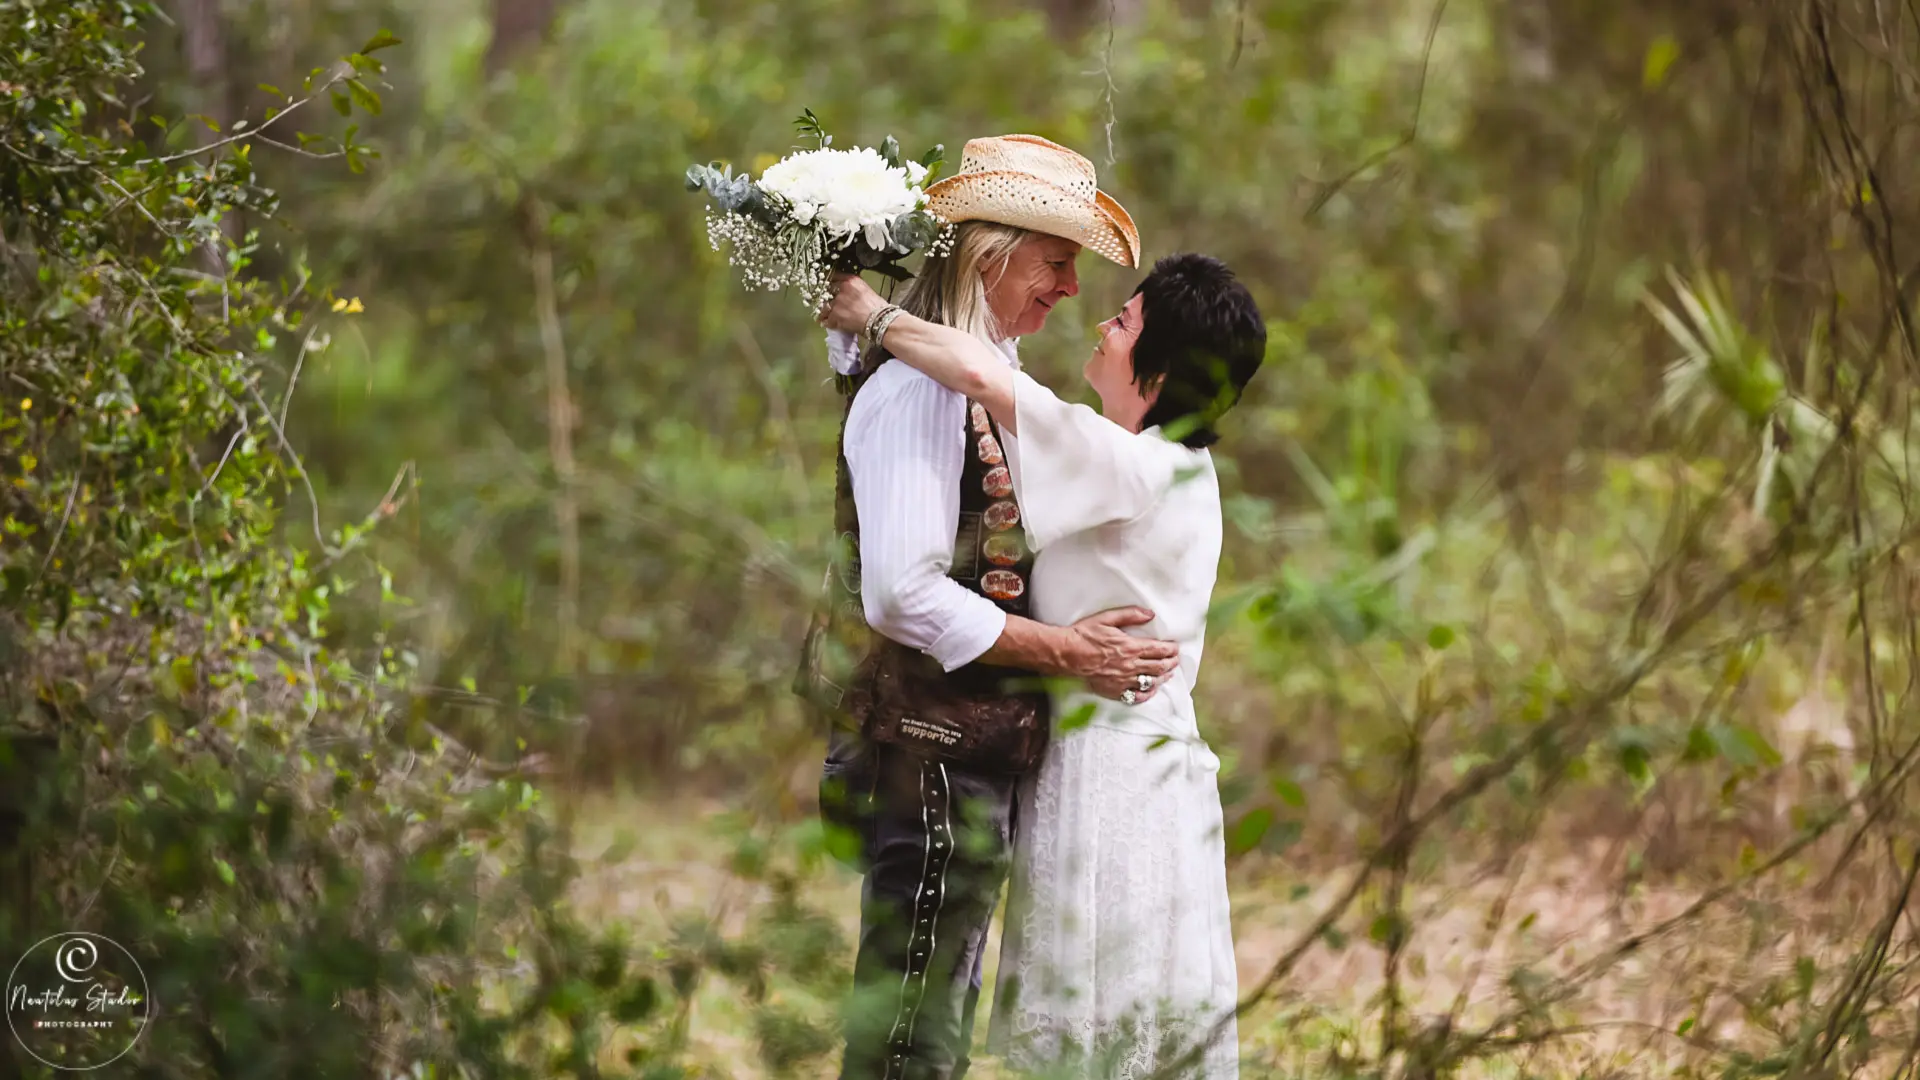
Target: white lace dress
1117, 955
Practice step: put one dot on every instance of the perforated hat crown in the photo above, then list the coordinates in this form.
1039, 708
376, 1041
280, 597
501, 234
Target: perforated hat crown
1033, 183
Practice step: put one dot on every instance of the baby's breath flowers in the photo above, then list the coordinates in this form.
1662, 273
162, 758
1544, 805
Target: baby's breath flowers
823, 211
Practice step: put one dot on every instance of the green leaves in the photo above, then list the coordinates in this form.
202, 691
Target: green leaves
1739, 745
914, 230
1388, 929
1080, 717
1637, 762
364, 96
1249, 831
1660, 57
382, 40
1289, 792
732, 194
637, 1002
808, 125
1719, 358
933, 159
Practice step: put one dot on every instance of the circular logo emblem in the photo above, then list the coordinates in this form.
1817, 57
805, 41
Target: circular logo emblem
1002, 585
77, 1001
1002, 516
998, 482
1003, 549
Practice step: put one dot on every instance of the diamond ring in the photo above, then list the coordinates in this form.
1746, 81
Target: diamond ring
1144, 682
1129, 696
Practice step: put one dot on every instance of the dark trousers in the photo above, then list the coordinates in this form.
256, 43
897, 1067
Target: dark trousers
933, 844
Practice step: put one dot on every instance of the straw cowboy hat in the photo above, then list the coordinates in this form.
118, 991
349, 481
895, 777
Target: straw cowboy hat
1029, 182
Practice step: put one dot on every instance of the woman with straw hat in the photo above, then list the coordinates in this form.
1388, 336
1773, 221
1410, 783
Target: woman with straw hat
936, 565
1117, 959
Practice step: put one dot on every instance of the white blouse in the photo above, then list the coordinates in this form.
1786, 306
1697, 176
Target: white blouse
1118, 518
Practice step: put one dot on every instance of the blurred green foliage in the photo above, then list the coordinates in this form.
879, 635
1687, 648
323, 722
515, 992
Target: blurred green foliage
316, 880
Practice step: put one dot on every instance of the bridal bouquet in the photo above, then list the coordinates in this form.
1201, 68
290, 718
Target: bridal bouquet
823, 211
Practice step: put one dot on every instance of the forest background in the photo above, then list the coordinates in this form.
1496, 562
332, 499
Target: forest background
410, 522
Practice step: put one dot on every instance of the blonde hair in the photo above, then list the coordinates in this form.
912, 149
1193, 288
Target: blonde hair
952, 289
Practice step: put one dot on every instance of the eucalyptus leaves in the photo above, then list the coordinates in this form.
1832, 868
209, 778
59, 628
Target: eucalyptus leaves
823, 211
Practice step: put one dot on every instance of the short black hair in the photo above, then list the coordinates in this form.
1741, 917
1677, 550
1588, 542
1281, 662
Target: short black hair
1201, 339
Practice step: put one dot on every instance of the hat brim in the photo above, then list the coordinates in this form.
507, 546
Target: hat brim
1025, 201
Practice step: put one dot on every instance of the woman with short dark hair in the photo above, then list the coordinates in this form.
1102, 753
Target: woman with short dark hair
1118, 951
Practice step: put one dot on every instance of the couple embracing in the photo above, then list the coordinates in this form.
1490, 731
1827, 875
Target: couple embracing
1009, 659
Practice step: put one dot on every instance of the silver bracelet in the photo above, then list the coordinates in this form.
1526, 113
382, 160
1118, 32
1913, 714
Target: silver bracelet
883, 320
874, 319
872, 330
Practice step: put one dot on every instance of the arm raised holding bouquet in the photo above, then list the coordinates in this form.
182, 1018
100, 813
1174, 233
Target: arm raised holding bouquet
956, 360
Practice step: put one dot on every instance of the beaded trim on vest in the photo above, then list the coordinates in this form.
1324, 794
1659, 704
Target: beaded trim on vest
990, 555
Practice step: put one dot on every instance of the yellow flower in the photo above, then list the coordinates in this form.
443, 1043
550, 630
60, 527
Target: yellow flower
26, 403
349, 307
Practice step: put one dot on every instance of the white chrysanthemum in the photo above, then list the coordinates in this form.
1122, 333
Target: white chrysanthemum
845, 191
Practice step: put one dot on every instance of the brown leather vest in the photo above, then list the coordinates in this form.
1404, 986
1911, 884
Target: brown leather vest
990, 559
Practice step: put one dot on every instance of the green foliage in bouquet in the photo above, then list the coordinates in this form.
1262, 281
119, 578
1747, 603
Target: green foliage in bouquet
733, 194
779, 241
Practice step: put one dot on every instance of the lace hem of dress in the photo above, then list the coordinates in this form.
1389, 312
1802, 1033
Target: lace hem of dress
1128, 1049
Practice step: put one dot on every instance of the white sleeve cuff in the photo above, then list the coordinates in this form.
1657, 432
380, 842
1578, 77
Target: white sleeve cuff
975, 629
